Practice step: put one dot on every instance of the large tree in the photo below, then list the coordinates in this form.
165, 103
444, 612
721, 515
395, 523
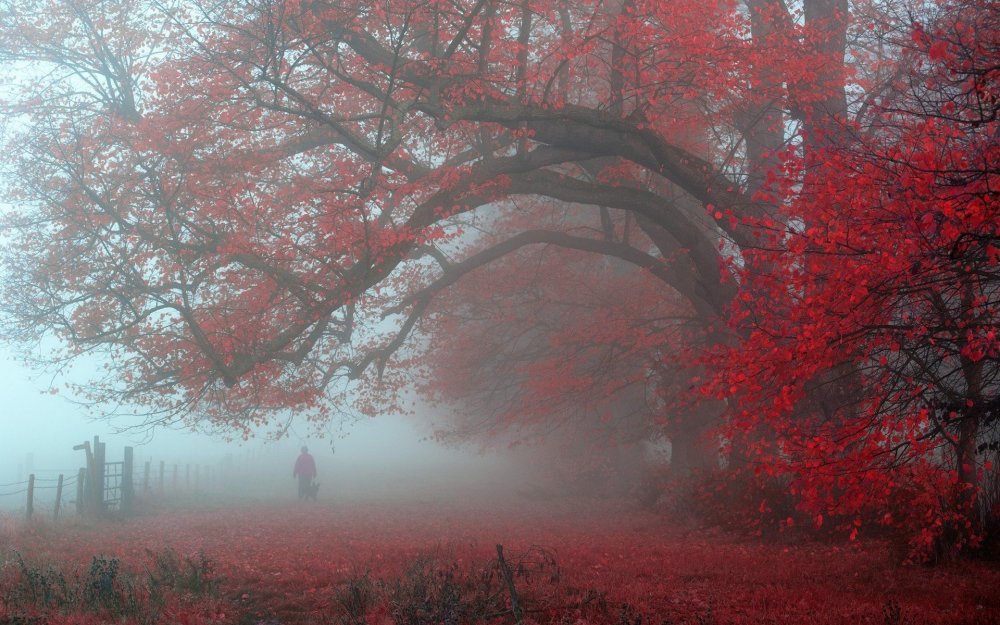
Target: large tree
226, 200
242, 206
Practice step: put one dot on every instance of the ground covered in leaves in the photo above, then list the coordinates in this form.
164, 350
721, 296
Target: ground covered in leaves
409, 564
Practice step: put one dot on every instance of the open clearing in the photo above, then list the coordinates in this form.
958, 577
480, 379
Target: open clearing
371, 562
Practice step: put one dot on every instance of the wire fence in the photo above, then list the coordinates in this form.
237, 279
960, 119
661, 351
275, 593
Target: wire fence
147, 479
55, 484
43, 493
106, 486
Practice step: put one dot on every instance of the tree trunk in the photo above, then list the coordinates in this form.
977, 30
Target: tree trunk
968, 470
690, 451
968, 437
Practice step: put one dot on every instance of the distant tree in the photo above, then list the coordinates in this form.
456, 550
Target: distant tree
564, 358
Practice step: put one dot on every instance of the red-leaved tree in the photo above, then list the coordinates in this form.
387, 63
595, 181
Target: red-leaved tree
870, 373
247, 208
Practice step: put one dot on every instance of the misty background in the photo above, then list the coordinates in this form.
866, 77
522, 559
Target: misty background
386, 457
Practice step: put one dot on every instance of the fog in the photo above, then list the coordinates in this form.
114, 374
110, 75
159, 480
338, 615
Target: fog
388, 457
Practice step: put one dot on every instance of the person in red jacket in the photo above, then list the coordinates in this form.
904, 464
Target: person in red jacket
305, 470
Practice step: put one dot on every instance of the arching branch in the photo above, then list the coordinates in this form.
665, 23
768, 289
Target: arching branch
679, 280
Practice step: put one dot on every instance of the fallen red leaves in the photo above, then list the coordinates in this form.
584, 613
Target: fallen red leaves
274, 564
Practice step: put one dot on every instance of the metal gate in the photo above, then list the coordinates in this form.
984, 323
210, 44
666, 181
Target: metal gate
111, 499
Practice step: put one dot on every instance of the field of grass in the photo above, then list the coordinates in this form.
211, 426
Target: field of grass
414, 563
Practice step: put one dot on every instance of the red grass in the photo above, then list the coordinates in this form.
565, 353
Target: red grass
285, 564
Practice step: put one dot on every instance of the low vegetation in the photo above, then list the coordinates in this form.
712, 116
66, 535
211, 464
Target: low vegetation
378, 564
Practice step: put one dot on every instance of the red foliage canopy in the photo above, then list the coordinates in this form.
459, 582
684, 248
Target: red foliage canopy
243, 206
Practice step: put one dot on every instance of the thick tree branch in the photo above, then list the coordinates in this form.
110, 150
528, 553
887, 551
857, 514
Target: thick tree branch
679, 280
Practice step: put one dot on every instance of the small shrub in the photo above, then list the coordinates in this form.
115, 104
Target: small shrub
436, 591
743, 501
37, 586
190, 575
430, 592
105, 589
356, 597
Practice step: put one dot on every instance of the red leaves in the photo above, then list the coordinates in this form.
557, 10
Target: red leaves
290, 564
871, 273
938, 51
249, 215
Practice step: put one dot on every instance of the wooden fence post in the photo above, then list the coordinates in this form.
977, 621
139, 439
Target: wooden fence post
175, 478
59, 484
187, 477
97, 483
145, 479
31, 494
100, 457
128, 488
84, 480
81, 482
508, 577
163, 467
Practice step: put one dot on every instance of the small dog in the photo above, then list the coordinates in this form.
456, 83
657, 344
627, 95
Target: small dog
312, 491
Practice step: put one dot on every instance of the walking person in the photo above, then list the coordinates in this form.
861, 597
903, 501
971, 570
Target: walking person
305, 470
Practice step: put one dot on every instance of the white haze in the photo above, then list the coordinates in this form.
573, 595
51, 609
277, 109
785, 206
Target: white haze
384, 457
